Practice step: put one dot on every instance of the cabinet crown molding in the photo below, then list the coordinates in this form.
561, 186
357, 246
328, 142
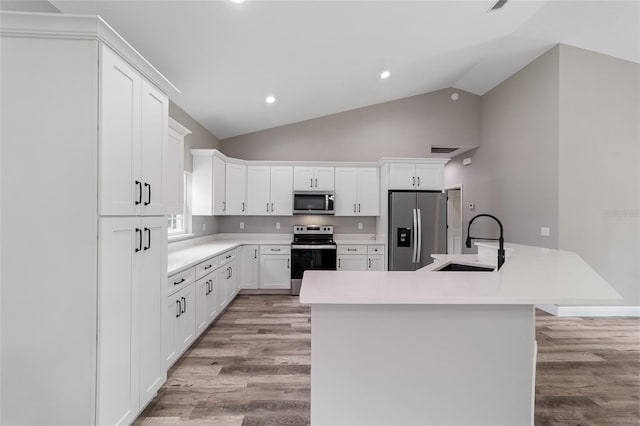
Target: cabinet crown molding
385, 160
81, 27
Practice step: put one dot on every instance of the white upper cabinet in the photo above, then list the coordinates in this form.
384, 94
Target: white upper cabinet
281, 190
153, 149
209, 183
119, 138
357, 191
270, 190
417, 176
133, 141
307, 178
430, 176
258, 190
175, 167
236, 189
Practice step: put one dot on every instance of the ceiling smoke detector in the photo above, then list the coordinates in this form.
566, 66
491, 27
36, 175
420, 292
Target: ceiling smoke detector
498, 5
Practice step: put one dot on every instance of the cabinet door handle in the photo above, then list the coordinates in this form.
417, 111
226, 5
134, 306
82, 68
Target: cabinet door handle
316, 182
148, 231
369, 263
358, 207
418, 180
271, 207
231, 272
208, 267
139, 235
267, 207
179, 309
255, 253
224, 206
179, 282
339, 262
184, 307
288, 263
139, 185
414, 181
146, 185
354, 207
243, 207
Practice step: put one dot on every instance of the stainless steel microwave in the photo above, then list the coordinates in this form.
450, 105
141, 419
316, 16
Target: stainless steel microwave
305, 202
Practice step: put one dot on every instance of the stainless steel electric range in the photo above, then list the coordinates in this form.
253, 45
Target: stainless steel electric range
312, 248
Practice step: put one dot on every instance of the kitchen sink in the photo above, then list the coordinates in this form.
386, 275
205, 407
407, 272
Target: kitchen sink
464, 268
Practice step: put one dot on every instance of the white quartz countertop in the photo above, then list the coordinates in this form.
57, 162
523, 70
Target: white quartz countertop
186, 257
531, 275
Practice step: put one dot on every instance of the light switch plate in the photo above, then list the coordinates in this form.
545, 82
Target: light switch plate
545, 231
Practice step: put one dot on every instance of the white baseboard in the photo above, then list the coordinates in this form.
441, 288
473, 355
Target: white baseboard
591, 311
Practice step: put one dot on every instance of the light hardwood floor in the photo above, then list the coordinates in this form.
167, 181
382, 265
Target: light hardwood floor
252, 368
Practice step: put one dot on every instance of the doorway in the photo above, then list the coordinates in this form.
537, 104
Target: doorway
454, 219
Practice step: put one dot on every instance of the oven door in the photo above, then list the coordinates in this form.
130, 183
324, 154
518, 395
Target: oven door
307, 258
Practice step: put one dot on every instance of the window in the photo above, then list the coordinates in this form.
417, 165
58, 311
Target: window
180, 224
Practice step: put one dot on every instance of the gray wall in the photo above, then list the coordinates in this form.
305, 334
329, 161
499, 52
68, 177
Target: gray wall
600, 165
41, 6
267, 224
198, 139
402, 128
514, 172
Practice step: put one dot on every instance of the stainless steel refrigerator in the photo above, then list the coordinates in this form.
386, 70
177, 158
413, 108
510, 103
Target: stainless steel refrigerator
417, 228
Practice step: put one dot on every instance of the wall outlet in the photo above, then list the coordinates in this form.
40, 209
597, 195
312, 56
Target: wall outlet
545, 231
277, 225
204, 226
359, 225
472, 206
241, 225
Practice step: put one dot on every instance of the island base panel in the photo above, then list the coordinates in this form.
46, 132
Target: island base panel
422, 364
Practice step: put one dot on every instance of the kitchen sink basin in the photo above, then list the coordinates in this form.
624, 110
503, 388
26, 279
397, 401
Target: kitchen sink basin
464, 268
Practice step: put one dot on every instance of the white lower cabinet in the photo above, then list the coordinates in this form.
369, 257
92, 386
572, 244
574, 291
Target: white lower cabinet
231, 284
181, 323
249, 267
275, 267
206, 306
360, 258
130, 364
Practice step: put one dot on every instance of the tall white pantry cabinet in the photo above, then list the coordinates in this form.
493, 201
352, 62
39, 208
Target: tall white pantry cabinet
83, 225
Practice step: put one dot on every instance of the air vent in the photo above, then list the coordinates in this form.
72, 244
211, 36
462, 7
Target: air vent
498, 5
442, 150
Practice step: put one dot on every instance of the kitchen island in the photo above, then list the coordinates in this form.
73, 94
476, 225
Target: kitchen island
437, 348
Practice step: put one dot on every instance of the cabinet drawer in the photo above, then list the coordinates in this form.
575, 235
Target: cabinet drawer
275, 249
180, 280
206, 267
344, 249
375, 249
226, 257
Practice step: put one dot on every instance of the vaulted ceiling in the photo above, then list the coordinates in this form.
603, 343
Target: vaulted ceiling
324, 57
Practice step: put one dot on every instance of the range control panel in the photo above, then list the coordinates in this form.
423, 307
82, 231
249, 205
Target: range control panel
313, 229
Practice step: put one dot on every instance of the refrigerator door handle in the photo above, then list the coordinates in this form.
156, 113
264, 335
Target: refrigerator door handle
419, 236
415, 236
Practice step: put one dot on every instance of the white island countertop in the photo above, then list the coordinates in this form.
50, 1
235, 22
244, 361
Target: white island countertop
530, 275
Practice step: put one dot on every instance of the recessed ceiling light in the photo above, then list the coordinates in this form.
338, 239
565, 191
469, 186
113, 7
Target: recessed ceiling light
385, 74
270, 99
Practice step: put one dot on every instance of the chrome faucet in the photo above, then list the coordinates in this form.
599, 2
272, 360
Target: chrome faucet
500, 240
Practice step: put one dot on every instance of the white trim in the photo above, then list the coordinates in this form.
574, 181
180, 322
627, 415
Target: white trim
82, 27
591, 311
178, 128
381, 162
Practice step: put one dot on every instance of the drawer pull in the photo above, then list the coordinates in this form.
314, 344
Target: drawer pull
227, 256
207, 267
274, 249
352, 249
179, 282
